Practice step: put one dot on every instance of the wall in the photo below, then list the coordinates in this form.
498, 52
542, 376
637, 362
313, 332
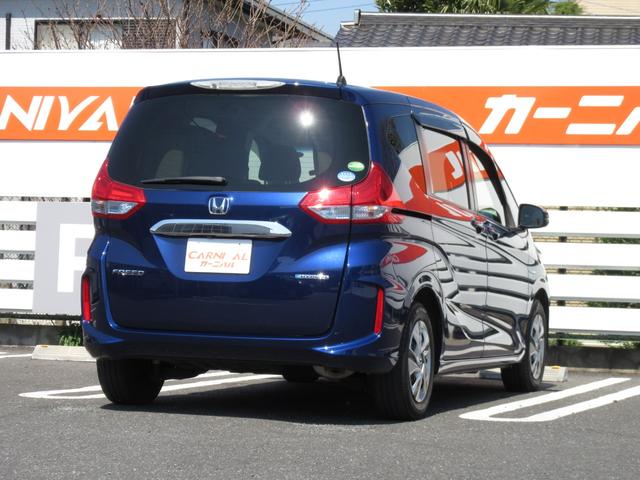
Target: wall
572, 173
563, 123
24, 13
610, 7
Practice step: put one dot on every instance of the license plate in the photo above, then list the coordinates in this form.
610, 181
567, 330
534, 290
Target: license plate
218, 256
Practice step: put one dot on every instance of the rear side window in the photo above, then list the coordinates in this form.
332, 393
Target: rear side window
445, 167
401, 135
256, 142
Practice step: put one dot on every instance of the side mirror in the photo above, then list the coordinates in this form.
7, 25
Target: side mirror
531, 216
491, 213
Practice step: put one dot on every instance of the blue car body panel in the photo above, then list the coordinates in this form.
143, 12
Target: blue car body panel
269, 317
272, 301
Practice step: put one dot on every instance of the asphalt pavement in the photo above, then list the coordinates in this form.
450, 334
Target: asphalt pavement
55, 424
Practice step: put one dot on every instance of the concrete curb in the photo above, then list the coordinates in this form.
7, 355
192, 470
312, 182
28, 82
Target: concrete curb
608, 371
594, 357
59, 352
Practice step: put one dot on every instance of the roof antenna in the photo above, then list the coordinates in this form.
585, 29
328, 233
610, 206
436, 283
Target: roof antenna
341, 82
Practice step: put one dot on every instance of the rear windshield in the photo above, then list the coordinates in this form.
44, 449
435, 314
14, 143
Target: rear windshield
255, 142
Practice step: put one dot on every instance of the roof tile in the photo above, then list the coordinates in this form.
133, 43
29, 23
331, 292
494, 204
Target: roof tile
413, 30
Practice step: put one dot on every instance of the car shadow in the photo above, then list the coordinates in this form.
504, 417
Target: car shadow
322, 402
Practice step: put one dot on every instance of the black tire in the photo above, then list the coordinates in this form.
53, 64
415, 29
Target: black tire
392, 391
129, 382
522, 377
300, 374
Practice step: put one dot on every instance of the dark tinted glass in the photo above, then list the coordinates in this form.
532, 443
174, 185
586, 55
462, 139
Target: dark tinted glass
256, 142
401, 135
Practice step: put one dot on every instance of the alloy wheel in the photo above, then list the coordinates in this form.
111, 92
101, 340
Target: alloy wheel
419, 360
537, 346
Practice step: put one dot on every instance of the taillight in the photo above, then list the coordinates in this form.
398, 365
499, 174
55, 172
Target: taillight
111, 199
374, 198
329, 205
377, 324
370, 201
85, 289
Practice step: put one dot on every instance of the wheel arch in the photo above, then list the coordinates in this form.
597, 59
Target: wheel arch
431, 301
542, 296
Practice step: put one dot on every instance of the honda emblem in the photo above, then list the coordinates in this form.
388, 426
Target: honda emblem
219, 205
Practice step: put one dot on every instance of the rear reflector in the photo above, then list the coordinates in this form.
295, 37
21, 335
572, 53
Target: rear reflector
377, 324
111, 199
370, 201
85, 289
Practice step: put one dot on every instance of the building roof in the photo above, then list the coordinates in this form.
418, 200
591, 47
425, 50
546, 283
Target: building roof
431, 30
303, 27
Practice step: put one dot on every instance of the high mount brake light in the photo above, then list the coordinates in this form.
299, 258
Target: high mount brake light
239, 84
111, 199
370, 201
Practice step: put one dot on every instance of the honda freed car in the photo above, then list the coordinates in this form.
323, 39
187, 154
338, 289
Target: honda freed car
310, 230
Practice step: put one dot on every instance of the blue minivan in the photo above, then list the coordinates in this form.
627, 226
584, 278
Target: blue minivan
311, 230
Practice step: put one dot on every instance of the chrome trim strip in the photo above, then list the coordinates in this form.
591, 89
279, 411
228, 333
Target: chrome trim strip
471, 364
220, 229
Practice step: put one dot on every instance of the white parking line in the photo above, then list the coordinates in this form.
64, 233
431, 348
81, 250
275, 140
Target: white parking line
54, 394
59, 394
587, 405
488, 414
220, 373
15, 356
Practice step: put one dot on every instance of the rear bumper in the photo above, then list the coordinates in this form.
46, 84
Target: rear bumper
350, 342
371, 354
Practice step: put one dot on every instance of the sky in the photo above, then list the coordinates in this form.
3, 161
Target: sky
327, 14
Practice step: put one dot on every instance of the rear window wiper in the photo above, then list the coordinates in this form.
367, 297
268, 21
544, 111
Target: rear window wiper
186, 181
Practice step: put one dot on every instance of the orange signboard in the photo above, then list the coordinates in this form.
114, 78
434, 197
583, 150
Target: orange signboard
502, 115
63, 113
543, 115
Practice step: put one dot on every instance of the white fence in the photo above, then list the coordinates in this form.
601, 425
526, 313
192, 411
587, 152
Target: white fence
584, 287
586, 258
593, 176
15, 243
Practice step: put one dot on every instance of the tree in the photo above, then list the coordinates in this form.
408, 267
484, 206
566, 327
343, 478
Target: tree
528, 7
77, 24
567, 8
